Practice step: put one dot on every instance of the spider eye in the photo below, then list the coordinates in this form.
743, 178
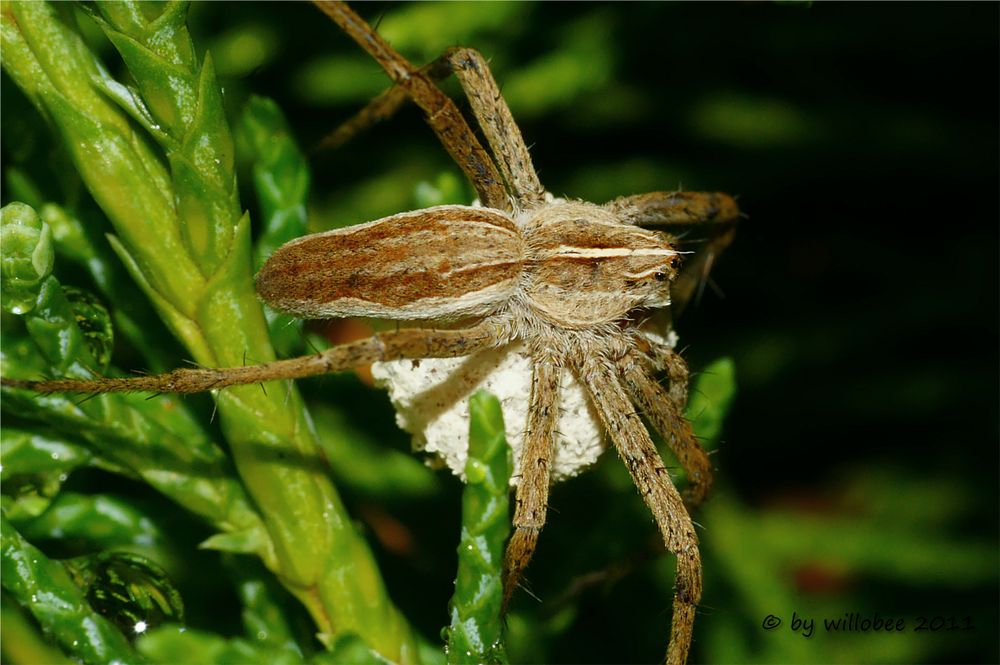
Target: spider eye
660, 276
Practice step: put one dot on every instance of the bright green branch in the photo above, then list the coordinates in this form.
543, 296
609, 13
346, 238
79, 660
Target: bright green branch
183, 239
281, 183
476, 631
146, 437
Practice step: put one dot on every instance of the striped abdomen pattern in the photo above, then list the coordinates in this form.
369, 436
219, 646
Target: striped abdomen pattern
441, 262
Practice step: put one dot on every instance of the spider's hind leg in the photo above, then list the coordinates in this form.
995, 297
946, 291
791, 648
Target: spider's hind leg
441, 113
413, 343
532, 494
494, 117
497, 123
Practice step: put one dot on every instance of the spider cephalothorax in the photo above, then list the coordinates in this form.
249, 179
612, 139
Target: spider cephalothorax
585, 267
558, 282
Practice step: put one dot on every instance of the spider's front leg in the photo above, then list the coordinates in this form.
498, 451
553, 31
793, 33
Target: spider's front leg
636, 449
716, 210
497, 123
533, 471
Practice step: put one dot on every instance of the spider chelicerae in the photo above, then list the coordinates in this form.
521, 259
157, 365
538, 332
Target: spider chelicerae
566, 281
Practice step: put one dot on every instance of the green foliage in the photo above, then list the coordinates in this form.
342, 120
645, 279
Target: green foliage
183, 237
58, 604
711, 397
154, 440
29, 260
123, 230
281, 182
475, 634
127, 589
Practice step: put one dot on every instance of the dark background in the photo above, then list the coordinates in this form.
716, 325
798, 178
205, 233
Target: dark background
858, 465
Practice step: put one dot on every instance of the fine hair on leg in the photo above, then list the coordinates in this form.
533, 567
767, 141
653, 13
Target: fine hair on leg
664, 414
392, 345
488, 106
442, 115
383, 107
634, 445
497, 123
532, 496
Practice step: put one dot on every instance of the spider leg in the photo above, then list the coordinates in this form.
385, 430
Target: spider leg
650, 475
497, 123
442, 114
489, 107
383, 107
681, 209
532, 496
392, 345
664, 411
675, 208
695, 271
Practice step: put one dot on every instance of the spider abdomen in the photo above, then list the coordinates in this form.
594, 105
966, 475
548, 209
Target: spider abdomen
437, 263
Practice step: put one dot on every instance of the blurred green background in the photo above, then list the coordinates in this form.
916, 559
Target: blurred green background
858, 464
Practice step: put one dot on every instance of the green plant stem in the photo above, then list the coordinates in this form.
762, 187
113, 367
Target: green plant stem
476, 631
148, 438
193, 260
281, 183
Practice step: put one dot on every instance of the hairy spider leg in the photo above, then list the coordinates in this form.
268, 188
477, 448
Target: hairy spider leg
442, 115
637, 451
666, 415
488, 105
497, 123
382, 107
531, 500
407, 343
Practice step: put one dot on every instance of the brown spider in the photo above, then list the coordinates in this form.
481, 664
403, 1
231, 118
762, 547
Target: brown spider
564, 279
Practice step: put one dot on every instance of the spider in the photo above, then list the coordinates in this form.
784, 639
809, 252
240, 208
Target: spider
568, 281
